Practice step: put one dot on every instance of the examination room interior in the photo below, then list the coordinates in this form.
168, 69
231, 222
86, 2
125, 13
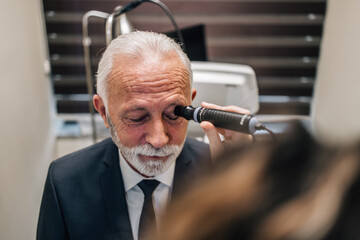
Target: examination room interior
34, 132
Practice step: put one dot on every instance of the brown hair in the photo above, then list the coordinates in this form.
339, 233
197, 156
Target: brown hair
293, 190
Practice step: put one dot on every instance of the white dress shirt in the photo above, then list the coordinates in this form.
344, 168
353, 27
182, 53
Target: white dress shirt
135, 196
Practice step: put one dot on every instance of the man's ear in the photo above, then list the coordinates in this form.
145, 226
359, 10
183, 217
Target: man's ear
100, 107
193, 94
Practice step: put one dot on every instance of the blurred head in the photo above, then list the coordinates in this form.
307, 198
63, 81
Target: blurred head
142, 76
297, 190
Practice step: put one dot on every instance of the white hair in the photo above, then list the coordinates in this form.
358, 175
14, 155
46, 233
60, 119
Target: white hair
136, 44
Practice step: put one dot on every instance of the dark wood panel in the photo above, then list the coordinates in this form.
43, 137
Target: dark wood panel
194, 7
70, 89
284, 72
289, 91
67, 106
211, 30
228, 51
295, 108
264, 30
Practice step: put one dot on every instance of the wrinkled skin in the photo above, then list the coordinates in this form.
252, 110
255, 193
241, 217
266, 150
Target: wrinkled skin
141, 101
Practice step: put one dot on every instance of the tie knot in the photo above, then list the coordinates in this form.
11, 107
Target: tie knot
148, 187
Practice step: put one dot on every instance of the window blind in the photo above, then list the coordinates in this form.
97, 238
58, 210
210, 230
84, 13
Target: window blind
280, 39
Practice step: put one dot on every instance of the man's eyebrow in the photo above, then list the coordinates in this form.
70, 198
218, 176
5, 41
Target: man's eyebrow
134, 109
175, 104
179, 101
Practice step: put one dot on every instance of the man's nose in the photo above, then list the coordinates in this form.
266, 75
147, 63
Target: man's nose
157, 134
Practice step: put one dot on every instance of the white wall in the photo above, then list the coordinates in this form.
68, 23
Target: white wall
336, 106
26, 138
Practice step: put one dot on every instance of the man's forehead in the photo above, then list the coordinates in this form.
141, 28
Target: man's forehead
144, 58
135, 75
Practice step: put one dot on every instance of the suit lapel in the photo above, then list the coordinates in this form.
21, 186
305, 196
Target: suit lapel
184, 170
194, 158
114, 195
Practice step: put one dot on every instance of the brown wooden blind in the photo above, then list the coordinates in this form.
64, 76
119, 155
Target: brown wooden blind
279, 38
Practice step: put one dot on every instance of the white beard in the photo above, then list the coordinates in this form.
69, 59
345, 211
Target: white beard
147, 167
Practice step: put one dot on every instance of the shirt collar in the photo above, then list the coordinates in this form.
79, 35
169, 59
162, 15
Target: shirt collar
132, 178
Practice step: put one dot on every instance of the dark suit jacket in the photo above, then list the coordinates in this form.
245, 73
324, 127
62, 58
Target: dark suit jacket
84, 196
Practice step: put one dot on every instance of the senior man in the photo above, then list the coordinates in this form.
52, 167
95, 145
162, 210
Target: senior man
102, 192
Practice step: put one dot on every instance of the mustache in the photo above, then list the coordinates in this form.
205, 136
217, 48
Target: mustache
148, 150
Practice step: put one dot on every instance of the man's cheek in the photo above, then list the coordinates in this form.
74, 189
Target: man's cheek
131, 137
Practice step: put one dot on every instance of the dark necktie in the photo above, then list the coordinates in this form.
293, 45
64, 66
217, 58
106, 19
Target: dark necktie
147, 214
